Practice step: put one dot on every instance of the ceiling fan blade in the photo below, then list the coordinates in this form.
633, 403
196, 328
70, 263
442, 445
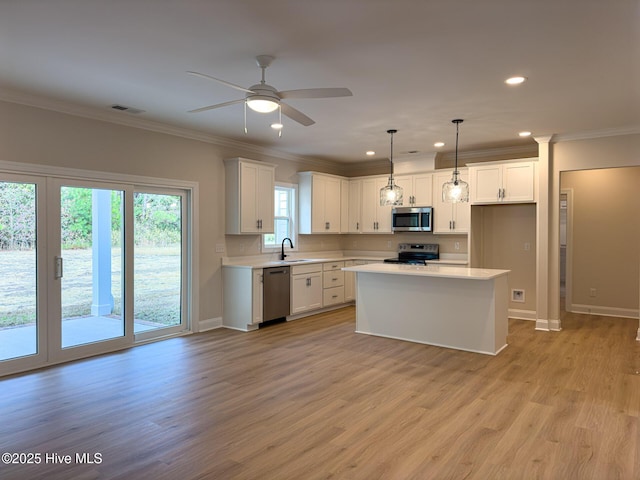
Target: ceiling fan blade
316, 93
296, 115
228, 84
211, 107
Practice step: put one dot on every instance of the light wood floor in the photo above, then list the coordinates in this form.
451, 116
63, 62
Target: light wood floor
310, 399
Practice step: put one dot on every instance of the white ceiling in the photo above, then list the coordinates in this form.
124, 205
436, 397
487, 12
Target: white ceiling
412, 65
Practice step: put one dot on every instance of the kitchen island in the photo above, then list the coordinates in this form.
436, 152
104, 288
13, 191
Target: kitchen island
454, 307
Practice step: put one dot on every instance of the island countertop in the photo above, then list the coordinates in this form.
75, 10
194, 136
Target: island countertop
442, 271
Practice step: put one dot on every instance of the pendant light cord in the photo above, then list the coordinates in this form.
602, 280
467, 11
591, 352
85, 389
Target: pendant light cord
391, 132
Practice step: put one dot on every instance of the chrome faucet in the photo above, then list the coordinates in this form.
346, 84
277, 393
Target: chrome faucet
282, 255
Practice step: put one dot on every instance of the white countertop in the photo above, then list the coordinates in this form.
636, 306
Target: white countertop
443, 271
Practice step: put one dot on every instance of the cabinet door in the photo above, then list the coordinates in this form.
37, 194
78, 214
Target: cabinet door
265, 199
349, 283
370, 205
248, 198
486, 184
423, 190
332, 205
355, 202
449, 217
306, 292
344, 206
406, 183
518, 182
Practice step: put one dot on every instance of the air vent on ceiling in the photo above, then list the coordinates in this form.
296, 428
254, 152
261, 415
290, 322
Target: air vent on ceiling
124, 108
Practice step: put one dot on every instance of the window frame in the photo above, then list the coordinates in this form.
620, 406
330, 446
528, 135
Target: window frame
293, 234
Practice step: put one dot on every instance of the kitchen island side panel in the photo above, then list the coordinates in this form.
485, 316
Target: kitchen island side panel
464, 314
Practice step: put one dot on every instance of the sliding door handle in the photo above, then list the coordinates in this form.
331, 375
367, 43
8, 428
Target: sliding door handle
58, 268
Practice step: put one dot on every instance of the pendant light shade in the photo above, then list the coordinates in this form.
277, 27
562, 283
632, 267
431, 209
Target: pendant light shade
455, 190
391, 194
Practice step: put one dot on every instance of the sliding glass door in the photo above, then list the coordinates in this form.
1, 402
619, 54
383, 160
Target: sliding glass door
88, 267
21, 325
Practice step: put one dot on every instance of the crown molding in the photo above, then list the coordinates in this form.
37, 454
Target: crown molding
128, 120
608, 132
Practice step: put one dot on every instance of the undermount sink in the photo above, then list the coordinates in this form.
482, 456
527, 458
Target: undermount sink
296, 260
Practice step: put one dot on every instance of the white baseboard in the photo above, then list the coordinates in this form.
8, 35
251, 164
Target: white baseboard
546, 325
604, 311
522, 314
209, 324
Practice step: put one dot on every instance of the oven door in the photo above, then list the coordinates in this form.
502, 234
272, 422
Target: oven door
406, 220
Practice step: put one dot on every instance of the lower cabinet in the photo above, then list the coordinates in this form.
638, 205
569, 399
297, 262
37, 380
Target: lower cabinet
306, 288
242, 298
332, 284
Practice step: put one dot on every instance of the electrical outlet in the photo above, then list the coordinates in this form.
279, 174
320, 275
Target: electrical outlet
593, 292
456, 245
517, 295
527, 246
389, 244
241, 246
219, 247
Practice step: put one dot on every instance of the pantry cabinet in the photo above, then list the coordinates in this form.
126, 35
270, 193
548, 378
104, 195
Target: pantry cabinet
375, 218
449, 217
504, 182
249, 200
319, 205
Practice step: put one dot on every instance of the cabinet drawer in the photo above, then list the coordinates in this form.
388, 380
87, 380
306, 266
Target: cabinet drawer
333, 266
332, 296
308, 268
334, 278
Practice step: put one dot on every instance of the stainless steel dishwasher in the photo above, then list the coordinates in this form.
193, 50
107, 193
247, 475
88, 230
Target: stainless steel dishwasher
276, 293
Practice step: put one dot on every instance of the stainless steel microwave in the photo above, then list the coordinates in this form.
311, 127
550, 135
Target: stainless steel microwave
412, 219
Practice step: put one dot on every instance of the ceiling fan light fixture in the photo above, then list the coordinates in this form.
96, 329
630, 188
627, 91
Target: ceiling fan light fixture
261, 104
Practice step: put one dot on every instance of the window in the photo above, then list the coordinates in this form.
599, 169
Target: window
284, 217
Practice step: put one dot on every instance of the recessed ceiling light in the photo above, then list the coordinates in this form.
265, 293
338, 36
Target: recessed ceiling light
277, 126
438, 144
515, 80
370, 152
524, 134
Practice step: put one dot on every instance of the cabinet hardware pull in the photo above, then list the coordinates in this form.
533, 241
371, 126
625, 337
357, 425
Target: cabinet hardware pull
357, 225
334, 296
58, 267
308, 282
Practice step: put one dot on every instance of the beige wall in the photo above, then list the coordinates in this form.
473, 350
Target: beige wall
44, 137
504, 237
594, 153
605, 236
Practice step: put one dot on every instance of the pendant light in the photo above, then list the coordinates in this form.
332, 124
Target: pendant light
391, 194
455, 190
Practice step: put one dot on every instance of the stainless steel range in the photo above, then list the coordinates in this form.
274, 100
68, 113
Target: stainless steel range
416, 253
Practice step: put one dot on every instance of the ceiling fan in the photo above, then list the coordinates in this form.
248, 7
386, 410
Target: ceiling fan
264, 98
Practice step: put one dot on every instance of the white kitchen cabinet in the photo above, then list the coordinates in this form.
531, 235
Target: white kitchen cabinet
355, 207
242, 301
332, 283
249, 200
375, 218
449, 217
306, 288
504, 182
257, 300
344, 205
319, 203
417, 189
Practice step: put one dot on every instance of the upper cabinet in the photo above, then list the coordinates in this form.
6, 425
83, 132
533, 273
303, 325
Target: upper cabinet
319, 203
249, 196
503, 182
354, 215
416, 189
375, 218
449, 217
